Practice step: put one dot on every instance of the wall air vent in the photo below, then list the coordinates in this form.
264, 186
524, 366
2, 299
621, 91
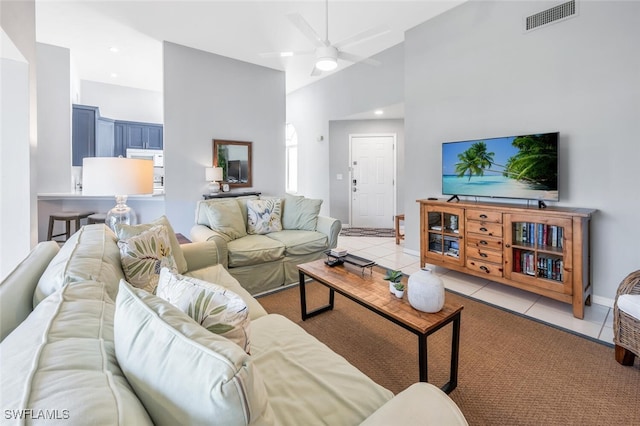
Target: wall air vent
554, 14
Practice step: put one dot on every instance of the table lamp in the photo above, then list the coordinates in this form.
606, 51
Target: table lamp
119, 177
213, 175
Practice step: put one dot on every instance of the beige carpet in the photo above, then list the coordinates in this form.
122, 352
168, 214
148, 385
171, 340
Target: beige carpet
512, 370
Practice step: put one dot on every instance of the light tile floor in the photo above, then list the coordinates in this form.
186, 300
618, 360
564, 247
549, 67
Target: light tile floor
597, 323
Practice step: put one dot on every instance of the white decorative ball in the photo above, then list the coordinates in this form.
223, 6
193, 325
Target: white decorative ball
425, 291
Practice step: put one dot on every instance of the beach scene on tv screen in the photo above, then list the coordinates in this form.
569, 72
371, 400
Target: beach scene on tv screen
509, 167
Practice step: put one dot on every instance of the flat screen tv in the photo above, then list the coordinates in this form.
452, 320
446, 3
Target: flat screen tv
508, 167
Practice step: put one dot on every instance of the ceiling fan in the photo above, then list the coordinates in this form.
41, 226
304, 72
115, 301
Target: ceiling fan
327, 53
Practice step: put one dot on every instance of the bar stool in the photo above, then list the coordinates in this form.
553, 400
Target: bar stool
97, 218
399, 236
66, 217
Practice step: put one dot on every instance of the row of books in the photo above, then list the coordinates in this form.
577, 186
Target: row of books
538, 233
544, 267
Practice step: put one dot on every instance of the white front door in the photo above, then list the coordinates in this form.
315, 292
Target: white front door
372, 180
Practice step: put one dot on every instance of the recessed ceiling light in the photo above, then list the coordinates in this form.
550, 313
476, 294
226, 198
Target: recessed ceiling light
114, 49
114, 75
378, 112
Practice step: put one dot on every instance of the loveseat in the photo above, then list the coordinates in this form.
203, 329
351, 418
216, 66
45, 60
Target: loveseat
265, 260
82, 346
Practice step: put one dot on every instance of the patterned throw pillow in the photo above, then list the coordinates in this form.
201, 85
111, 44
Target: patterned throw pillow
127, 231
214, 307
143, 255
263, 216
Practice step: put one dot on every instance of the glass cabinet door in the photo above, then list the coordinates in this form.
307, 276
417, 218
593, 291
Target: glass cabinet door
536, 248
444, 234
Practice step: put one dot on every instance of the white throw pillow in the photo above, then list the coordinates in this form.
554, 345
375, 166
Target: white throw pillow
264, 216
143, 255
182, 373
214, 307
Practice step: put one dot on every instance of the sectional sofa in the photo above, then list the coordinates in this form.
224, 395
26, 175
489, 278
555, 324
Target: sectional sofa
265, 260
82, 346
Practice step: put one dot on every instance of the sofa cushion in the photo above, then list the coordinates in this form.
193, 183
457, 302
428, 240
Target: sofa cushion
214, 307
299, 212
62, 359
630, 304
217, 274
226, 218
301, 242
154, 340
264, 216
124, 232
306, 381
89, 254
254, 249
144, 255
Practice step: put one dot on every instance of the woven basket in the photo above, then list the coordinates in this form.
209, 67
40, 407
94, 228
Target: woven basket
626, 329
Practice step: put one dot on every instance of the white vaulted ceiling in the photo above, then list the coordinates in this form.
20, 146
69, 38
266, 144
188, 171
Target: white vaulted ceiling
236, 29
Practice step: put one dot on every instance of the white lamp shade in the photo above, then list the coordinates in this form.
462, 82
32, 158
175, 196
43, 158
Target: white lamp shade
213, 174
116, 176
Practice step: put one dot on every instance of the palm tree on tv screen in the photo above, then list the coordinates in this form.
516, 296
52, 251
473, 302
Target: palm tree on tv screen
474, 160
535, 161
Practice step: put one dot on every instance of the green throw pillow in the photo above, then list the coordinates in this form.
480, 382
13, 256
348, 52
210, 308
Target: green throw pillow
226, 218
300, 213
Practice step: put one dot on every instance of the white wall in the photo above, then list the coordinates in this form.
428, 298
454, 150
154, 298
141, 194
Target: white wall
356, 89
14, 155
54, 118
339, 132
206, 97
122, 103
18, 120
472, 72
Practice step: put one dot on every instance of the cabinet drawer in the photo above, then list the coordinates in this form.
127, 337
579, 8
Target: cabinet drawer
484, 216
484, 241
484, 255
488, 268
484, 228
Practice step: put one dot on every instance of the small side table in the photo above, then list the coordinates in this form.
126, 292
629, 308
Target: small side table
399, 236
182, 239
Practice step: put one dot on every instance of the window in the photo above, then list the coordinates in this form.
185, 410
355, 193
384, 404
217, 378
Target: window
292, 158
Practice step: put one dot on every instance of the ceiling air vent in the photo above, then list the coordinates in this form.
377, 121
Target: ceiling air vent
554, 14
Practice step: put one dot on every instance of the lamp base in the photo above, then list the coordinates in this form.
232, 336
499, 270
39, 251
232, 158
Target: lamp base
214, 187
120, 214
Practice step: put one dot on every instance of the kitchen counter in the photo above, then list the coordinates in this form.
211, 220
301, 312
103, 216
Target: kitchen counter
157, 195
147, 207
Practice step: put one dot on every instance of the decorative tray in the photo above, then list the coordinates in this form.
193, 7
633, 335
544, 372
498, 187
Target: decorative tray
352, 259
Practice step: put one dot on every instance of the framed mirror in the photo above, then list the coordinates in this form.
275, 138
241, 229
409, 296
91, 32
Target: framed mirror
235, 159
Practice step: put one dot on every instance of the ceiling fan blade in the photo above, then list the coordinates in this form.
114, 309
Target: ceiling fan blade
304, 27
315, 72
286, 54
355, 58
363, 36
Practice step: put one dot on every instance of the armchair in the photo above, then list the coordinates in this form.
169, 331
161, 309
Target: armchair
626, 319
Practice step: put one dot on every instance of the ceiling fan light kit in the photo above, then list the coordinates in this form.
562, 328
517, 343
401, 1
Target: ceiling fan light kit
327, 54
327, 58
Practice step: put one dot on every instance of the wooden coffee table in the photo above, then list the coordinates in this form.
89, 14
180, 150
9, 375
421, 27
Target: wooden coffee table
369, 289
